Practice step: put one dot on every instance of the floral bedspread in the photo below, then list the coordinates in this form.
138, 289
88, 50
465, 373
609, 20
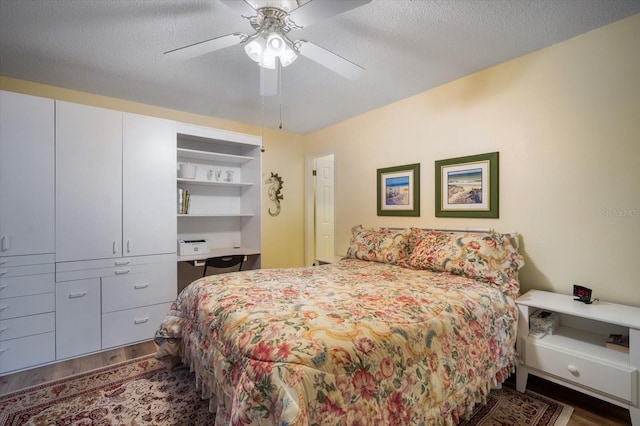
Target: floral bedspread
353, 343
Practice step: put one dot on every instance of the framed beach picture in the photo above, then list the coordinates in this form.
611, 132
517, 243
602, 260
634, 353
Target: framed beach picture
467, 186
399, 191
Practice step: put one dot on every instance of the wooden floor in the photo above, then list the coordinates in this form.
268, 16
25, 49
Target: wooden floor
587, 410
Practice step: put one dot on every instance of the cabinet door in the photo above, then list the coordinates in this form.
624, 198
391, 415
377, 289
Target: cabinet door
149, 185
78, 318
26, 174
88, 182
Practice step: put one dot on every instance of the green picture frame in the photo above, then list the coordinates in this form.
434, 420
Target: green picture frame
468, 186
399, 190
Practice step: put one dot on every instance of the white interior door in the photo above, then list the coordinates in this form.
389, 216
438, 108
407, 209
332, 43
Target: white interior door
324, 207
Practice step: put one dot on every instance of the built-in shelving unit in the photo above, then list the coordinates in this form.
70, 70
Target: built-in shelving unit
224, 194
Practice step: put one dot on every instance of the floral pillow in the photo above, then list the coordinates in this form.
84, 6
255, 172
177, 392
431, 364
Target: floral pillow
489, 258
384, 246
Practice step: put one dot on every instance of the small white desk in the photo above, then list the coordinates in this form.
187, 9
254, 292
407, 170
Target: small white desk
198, 259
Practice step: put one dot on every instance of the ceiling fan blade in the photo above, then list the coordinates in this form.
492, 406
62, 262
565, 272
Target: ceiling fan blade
330, 60
240, 6
269, 81
317, 10
204, 47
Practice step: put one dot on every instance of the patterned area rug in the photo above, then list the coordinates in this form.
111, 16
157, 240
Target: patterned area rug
142, 392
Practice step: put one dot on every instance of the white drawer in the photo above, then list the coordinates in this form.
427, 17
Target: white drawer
18, 271
26, 285
27, 351
27, 326
66, 271
603, 376
27, 305
33, 259
133, 325
156, 284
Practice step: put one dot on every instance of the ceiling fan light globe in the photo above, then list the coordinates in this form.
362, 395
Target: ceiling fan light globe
268, 60
254, 49
276, 44
287, 57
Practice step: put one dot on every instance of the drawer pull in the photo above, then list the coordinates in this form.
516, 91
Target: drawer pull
3, 272
77, 295
3, 261
141, 320
122, 262
3, 329
573, 370
3, 350
122, 271
6, 243
3, 286
141, 286
2, 308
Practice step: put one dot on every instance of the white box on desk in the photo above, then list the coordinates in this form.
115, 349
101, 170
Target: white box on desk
192, 247
546, 321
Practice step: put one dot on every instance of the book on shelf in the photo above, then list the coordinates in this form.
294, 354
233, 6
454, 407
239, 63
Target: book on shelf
184, 199
618, 342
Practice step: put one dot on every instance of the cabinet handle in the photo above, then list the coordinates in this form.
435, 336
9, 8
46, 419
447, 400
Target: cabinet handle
122, 262
3, 261
3, 329
3, 272
113, 247
128, 246
76, 295
2, 308
6, 243
141, 286
573, 370
122, 271
3, 350
141, 320
3, 286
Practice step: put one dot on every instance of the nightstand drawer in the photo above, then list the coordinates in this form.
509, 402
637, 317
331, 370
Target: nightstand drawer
604, 377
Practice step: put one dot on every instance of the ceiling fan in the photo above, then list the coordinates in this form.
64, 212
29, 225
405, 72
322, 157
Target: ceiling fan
270, 45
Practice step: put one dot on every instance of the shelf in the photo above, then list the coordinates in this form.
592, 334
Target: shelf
212, 156
213, 183
218, 215
582, 343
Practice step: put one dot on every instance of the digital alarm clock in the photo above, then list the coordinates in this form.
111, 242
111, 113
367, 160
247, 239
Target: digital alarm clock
583, 294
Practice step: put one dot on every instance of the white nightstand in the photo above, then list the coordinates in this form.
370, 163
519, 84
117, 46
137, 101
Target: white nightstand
575, 355
326, 260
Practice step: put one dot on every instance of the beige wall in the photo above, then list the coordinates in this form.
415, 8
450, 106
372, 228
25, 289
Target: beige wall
283, 235
566, 122
281, 245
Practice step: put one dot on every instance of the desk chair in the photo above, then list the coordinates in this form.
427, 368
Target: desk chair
223, 262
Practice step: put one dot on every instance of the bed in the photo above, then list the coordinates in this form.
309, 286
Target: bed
413, 327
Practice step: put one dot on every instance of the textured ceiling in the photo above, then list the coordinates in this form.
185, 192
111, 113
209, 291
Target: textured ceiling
115, 48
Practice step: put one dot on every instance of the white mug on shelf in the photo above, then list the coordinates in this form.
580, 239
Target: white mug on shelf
229, 176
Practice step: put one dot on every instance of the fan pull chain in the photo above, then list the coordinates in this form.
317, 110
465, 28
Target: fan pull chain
280, 92
262, 126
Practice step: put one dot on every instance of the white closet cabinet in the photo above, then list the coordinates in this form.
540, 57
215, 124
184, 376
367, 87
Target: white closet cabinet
149, 155
114, 180
26, 174
27, 305
115, 227
88, 182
